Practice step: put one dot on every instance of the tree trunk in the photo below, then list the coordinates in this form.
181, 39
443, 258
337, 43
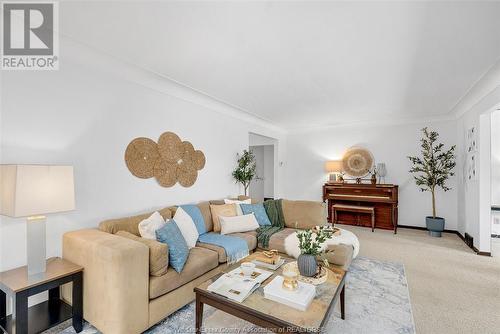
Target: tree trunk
246, 188
433, 203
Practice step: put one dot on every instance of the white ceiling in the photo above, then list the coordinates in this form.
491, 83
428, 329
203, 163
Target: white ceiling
302, 64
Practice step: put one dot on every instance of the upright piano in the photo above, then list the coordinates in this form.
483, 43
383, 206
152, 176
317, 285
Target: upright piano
382, 197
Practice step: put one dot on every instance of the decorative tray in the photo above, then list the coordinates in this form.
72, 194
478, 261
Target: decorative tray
317, 279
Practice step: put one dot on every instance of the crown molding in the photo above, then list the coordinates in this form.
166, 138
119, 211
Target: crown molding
373, 123
486, 84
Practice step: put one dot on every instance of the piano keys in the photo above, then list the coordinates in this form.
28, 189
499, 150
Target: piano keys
383, 197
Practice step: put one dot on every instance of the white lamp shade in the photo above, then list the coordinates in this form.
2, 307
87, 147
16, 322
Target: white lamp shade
333, 166
29, 190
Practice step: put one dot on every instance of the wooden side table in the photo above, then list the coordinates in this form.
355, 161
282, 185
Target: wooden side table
17, 284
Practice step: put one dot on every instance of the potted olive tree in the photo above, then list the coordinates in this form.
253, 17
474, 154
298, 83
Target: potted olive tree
431, 171
245, 170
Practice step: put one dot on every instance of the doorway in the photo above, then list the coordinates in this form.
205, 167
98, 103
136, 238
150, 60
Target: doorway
495, 183
263, 148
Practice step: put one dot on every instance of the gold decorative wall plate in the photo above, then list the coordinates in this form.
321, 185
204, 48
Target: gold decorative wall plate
170, 161
357, 161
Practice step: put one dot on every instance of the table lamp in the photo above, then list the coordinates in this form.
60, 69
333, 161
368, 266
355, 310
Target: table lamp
32, 191
334, 168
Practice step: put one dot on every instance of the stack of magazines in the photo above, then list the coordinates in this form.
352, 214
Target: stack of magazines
236, 286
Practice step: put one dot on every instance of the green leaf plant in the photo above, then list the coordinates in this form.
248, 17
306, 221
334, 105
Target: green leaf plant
434, 167
310, 241
245, 169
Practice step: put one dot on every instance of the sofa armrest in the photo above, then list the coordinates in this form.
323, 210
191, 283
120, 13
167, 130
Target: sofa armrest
339, 255
115, 279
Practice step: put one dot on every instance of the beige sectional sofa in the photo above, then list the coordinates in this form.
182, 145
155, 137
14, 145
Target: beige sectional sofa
128, 284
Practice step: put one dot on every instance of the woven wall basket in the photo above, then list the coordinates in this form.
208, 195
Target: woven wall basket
170, 161
357, 161
140, 156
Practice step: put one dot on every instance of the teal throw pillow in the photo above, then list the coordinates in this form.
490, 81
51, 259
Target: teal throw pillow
258, 210
178, 250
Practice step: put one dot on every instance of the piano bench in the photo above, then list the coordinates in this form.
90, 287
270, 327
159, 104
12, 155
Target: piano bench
355, 209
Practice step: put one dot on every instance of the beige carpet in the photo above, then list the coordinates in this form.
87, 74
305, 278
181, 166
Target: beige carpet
452, 289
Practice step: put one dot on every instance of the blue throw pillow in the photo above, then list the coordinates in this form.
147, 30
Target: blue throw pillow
178, 250
258, 210
195, 213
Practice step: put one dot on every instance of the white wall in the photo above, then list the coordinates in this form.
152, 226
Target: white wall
268, 171
308, 151
256, 190
495, 158
85, 114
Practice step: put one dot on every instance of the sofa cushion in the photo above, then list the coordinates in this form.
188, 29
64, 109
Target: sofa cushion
200, 261
130, 224
250, 238
158, 253
148, 226
277, 240
303, 214
227, 210
187, 226
243, 223
207, 215
178, 251
252, 200
259, 211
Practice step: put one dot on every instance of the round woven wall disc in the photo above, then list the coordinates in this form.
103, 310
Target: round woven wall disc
165, 173
170, 147
186, 164
357, 161
187, 149
198, 160
186, 174
140, 156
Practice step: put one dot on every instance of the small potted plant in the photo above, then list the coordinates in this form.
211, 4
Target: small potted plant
310, 242
245, 171
431, 171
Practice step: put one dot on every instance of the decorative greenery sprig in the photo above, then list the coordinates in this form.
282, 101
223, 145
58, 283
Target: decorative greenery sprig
245, 171
433, 169
310, 241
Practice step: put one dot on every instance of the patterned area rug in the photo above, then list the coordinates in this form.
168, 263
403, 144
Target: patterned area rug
377, 302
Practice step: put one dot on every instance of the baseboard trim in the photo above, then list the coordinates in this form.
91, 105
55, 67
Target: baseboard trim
425, 229
448, 231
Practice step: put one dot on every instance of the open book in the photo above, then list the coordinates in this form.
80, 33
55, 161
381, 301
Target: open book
235, 286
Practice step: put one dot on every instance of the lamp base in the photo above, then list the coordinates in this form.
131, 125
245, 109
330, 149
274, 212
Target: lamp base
36, 248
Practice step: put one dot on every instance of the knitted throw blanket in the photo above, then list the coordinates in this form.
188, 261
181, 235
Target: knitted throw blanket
236, 248
275, 213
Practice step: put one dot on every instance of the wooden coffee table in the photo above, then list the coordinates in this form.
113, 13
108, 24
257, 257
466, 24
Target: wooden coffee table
273, 315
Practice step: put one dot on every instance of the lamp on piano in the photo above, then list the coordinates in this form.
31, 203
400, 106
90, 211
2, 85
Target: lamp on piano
334, 168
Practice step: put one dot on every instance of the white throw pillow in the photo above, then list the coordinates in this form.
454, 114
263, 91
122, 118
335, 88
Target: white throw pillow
148, 227
237, 202
187, 227
243, 223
